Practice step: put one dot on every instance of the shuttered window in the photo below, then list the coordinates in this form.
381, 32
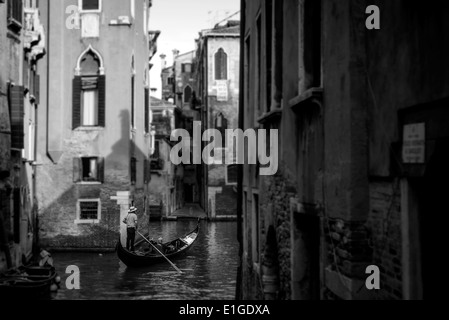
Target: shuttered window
147, 110
15, 13
16, 101
89, 101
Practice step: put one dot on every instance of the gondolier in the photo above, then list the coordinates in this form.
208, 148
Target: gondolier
131, 228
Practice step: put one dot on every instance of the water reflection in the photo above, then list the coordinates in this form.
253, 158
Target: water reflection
209, 269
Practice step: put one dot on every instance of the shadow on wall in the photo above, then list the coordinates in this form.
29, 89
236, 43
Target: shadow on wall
61, 224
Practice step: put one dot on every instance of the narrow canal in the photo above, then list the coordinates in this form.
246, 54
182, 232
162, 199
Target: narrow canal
209, 269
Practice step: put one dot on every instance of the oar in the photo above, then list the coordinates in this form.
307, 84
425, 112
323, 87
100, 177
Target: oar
172, 264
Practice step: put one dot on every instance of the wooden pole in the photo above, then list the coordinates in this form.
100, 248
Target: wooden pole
172, 264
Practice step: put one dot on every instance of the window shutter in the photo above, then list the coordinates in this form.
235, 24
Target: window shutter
147, 110
183, 68
101, 170
133, 170
76, 105
102, 101
36, 88
17, 117
77, 170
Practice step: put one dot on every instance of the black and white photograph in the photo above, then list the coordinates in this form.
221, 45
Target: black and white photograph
241, 152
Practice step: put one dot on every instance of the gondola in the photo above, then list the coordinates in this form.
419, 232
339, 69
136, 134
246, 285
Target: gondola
33, 282
145, 255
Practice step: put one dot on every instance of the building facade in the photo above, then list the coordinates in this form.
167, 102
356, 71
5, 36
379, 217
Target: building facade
95, 137
217, 96
166, 186
362, 148
22, 46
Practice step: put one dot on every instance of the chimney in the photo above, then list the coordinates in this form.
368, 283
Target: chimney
163, 61
175, 54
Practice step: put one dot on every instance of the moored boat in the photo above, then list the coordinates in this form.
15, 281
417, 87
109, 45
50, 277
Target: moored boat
32, 282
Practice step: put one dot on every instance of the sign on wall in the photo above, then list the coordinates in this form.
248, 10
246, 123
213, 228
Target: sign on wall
414, 146
222, 90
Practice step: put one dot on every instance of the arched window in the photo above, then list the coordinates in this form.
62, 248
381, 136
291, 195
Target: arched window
89, 91
221, 65
187, 94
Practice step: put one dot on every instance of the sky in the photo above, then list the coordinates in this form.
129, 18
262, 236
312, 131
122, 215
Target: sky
179, 22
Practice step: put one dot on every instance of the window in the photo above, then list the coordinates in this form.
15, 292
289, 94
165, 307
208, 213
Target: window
89, 102
187, 94
312, 43
247, 70
88, 211
133, 110
259, 63
89, 93
255, 229
278, 45
221, 65
171, 81
147, 110
269, 48
88, 170
16, 112
231, 174
186, 67
90, 5
15, 13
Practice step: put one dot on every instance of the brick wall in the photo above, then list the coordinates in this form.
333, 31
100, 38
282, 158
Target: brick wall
385, 225
354, 245
277, 192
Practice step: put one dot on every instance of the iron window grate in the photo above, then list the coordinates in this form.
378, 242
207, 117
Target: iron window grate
88, 210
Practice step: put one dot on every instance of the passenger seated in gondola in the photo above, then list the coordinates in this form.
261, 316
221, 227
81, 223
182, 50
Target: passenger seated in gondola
160, 246
170, 248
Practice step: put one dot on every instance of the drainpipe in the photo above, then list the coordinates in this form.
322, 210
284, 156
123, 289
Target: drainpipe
238, 291
205, 123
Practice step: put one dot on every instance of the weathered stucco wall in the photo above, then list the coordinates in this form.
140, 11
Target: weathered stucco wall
120, 48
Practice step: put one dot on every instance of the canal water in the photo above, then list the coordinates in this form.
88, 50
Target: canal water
209, 269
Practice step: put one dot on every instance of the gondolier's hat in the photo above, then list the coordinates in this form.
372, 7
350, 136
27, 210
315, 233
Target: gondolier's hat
132, 210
